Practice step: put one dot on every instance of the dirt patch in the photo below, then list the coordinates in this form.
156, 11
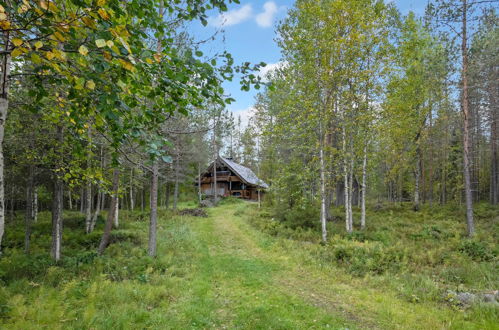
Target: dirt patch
194, 212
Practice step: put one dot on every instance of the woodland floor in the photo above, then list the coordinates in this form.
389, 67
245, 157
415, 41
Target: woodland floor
215, 272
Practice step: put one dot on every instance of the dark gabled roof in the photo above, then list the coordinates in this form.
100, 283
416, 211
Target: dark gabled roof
244, 173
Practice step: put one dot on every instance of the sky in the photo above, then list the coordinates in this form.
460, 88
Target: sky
248, 31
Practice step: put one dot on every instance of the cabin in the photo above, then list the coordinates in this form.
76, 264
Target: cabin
232, 179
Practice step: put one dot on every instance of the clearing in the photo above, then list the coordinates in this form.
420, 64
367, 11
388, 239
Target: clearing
213, 272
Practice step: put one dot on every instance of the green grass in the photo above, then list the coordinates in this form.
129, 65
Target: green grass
239, 269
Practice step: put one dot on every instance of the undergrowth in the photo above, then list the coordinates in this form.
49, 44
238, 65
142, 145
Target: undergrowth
420, 255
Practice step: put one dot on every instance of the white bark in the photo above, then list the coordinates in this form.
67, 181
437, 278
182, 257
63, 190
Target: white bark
116, 221
346, 180
364, 187
4, 107
323, 186
154, 211
35, 204
131, 190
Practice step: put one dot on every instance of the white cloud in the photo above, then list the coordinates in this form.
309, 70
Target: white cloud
270, 67
232, 17
265, 18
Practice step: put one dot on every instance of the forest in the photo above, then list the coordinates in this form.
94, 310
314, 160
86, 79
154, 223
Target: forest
376, 133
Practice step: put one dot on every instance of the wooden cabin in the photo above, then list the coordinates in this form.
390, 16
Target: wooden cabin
232, 179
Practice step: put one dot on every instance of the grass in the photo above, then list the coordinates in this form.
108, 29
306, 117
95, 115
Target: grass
239, 269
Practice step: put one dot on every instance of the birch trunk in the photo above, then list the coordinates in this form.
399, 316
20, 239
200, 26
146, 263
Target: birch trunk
132, 206
154, 211
175, 191
323, 185
417, 179
57, 207
199, 182
35, 205
364, 187
116, 221
4, 108
57, 202
110, 216
350, 188
98, 206
345, 178
70, 200
88, 206
494, 141
466, 125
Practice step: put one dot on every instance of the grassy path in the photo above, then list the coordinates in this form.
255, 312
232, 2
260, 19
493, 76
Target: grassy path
257, 282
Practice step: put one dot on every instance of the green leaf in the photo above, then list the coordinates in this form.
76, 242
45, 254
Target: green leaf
100, 43
167, 159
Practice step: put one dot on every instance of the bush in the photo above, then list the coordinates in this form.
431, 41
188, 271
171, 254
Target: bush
478, 251
364, 258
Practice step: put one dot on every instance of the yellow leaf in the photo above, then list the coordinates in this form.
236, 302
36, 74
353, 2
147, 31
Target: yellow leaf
103, 14
17, 42
44, 5
101, 3
22, 9
88, 21
59, 54
35, 58
2, 9
148, 60
127, 65
38, 45
83, 50
157, 57
16, 52
59, 36
90, 84
110, 43
100, 43
4, 24
3, 17
107, 56
50, 55
125, 44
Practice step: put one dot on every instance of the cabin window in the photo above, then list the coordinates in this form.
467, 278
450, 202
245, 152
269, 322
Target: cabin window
236, 186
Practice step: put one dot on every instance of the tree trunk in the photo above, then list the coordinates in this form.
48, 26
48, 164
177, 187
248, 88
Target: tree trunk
28, 217
175, 192
364, 187
70, 200
167, 193
110, 216
34, 209
98, 207
116, 221
132, 206
466, 126
142, 206
4, 108
88, 206
323, 184
57, 206
199, 179
494, 141
347, 185
154, 211
82, 200
417, 179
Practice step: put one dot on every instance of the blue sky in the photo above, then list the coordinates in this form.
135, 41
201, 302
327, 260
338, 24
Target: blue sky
247, 31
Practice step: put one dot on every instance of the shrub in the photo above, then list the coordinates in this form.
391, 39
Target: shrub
364, 258
478, 251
